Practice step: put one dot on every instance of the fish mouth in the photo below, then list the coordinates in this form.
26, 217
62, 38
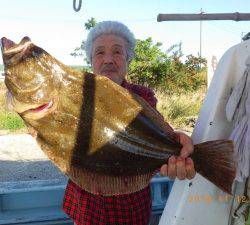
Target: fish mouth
43, 108
32, 111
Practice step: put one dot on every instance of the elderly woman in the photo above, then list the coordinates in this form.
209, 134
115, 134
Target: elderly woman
110, 48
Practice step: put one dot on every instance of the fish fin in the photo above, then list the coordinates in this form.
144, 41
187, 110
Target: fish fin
215, 161
106, 185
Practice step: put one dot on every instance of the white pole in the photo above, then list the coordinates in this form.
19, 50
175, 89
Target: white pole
201, 33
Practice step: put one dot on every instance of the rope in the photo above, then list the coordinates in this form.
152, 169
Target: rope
79, 5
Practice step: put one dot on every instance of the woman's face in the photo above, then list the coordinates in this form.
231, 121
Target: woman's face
109, 57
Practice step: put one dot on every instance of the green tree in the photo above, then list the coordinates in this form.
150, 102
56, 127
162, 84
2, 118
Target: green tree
90, 23
148, 59
79, 51
166, 70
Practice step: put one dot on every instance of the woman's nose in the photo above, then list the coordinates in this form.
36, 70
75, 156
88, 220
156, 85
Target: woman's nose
108, 58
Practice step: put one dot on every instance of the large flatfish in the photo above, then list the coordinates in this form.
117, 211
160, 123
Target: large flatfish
106, 139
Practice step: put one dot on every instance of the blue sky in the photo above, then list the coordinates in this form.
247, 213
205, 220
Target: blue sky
54, 26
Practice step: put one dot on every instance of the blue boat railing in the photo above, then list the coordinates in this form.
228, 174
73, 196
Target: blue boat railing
160, 190
39, 202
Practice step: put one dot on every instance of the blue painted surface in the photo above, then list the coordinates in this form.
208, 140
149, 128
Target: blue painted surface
160, 190
39, 202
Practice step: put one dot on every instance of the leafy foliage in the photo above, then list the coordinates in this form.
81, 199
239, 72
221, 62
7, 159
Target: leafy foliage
167, 71
79, 51
148, 57
10, 121
90, 23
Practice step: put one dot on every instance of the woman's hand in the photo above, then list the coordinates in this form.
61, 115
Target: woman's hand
181, 166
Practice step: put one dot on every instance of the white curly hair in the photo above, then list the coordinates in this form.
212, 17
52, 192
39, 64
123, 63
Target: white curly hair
111, 27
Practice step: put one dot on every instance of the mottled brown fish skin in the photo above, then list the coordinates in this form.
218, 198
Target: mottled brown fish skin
106, 139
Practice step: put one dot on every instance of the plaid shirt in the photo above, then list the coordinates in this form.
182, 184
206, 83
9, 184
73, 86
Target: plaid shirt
85, 208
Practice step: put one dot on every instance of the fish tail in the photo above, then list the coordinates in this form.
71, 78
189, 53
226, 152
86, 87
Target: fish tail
215, 161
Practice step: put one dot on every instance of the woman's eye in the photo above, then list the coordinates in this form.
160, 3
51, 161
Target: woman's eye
99, 53
118, 52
